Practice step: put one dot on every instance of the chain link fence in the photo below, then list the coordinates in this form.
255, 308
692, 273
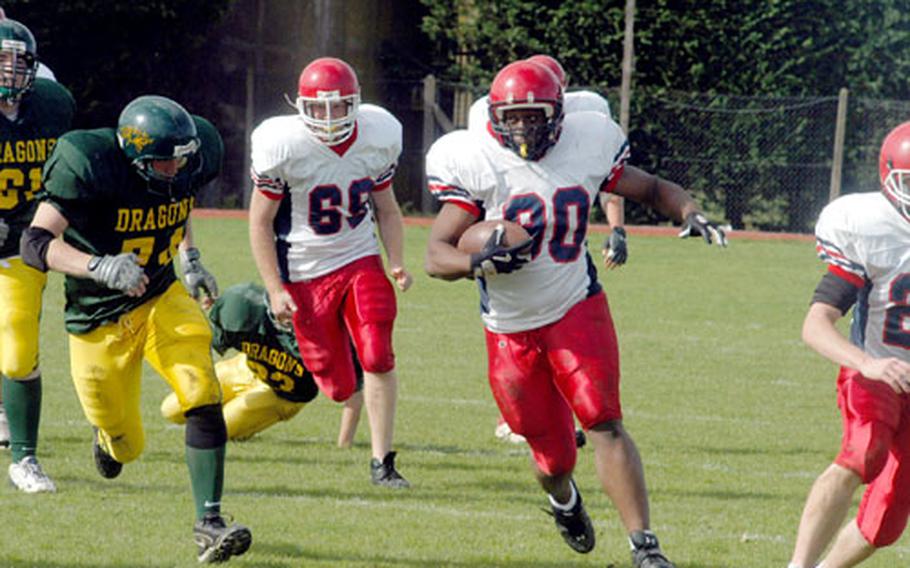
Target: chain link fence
762, 163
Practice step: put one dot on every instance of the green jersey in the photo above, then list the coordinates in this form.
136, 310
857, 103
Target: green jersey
240, 320
45, 113
111, 209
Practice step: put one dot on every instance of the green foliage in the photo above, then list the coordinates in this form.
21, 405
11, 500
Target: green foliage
739, 47
109, 52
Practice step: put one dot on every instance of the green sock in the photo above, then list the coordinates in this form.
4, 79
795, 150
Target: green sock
22, 400
207, 478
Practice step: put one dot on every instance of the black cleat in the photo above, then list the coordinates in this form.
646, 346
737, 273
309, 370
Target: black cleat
575, 525
580, 438
383, 473
108, 467
646, 551
218, 541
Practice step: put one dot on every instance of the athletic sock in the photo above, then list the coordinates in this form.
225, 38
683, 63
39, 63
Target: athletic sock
568, 506
207, 478
22, 400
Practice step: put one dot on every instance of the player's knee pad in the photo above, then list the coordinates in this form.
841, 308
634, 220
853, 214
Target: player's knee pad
286, 409
171, 411
552, 455
375, 351
866, 451
205, 427
127, 447
335, 389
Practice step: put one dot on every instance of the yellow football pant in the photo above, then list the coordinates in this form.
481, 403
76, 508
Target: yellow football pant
173, 335
250, 406
21, 287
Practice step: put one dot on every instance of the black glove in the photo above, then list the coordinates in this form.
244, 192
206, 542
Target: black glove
615, 246
497, 259
698, 224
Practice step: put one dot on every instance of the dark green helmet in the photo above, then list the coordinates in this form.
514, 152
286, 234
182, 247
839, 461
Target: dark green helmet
156, 128
18, 60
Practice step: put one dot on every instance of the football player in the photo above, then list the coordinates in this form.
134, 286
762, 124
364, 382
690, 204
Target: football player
122, 199
615, 248
321, 177
266, 382
33, 114
551, 344
864, 238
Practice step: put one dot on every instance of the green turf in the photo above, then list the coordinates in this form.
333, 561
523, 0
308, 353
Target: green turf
733, 415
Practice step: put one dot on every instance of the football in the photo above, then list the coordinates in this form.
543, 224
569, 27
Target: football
477, 235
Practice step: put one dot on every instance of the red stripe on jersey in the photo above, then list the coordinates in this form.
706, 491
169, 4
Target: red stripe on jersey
845, 275
469, 207
383, 185
615, 174
270, 194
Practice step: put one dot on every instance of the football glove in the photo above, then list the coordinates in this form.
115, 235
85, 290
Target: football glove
4, 231
497, 259
195, 277
698, 224
118, 272
615, 245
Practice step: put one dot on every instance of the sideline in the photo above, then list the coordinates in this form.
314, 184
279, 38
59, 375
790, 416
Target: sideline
648, 230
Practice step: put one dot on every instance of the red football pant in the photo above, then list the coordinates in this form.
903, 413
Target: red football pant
355, 301
876, 446
540, 377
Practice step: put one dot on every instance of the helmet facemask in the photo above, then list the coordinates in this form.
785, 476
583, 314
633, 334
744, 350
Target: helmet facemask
17, 70
896, 187
529, 141
316, 113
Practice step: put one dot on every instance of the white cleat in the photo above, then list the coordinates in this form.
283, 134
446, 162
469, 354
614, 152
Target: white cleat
28, 476
504, 433
4, 428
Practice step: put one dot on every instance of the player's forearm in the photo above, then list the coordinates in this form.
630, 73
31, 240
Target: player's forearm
614, 208
446, 262
820, 333
391, 233
672, 201
65, 258
187, 242
262, 243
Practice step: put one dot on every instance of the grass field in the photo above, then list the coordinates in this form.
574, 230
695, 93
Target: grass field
733, 415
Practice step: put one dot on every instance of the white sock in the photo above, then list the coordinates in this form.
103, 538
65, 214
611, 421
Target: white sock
568, 506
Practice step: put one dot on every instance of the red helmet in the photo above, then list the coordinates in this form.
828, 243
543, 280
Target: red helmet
326, 83
552, 65
894, 168
525, 85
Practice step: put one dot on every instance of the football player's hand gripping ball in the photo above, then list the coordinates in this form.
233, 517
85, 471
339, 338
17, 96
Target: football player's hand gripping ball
196, 278
698, 224
615, 250
119, 272
498, 259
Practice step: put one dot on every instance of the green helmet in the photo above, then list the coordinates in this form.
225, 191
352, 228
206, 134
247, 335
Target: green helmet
18, 60
156, 128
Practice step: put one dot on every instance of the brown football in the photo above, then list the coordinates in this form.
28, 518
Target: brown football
477, 235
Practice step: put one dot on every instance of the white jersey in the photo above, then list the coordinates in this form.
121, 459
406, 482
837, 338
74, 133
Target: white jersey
326, 220
550, 197
576, 101
866, 241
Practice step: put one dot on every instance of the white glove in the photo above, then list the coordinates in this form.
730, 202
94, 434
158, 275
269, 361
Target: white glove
121, 272
195, 277
4, 231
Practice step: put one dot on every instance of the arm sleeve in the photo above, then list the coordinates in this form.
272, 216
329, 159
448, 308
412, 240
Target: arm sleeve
835, 291
615, 154
839, 246
266, 159
446, 180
